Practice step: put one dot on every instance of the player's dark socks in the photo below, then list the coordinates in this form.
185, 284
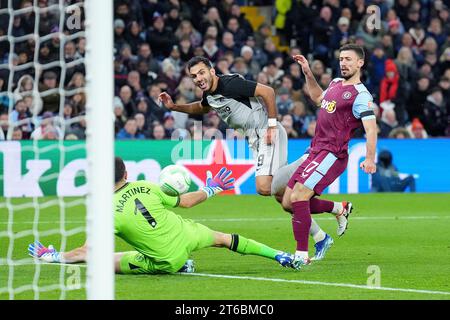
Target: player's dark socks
319, 206
301, 222
243, 245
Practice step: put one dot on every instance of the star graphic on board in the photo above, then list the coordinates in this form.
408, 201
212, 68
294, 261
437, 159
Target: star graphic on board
217, 158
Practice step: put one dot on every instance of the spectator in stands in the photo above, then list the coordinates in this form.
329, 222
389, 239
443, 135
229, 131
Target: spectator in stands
126, 96
341, 34
175, 60
185, 29
23, 115
296, 75
435, 118
253, 65
134, 36
377, 68
158, 132
169, 124
168, 78
17, 134
283, 101
134, 82
229, 45
269, 52
46, 130
50, 101
418, 97
160, 38
242, 20
141, 123
130, 131
387, 177
323, 28
418, 35
417, 130
388, 123
399, 133
407, 69
157, 111
273, 73
186, 49
211, 49
119, 34
186, 89
145, 53
4, 125
288, 123
310, 130
239, 34
212, 18
240, 67
127, 57
173, 18
119, 114
389, 84
435, 31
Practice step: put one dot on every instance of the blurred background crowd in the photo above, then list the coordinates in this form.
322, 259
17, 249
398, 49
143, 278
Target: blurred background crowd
407, 66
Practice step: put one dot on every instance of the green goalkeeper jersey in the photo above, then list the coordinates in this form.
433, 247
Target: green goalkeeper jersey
142, 219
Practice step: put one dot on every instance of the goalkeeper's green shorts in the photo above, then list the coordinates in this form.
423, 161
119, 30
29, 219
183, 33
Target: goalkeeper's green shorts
198, 236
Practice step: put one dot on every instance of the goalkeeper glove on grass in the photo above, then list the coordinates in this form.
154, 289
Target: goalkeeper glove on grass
38, 251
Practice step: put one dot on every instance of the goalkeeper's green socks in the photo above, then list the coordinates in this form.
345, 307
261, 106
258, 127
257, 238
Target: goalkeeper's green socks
243, 245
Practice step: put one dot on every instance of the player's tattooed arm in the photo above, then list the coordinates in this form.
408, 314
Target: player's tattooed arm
190, 108
314, 90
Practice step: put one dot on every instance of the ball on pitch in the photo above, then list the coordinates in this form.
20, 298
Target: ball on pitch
174, 180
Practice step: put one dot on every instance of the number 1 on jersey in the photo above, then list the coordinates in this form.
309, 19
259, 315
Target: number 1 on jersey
139, 206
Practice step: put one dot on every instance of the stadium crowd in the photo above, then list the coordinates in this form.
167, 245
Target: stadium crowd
407, 64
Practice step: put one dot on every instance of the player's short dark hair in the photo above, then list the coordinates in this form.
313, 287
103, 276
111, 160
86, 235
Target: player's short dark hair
119, 169
355, 48
199, 59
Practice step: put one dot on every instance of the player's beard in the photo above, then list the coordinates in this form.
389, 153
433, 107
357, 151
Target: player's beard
348, 75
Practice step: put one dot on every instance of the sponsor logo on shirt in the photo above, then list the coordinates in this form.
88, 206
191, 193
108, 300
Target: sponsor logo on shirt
329, 106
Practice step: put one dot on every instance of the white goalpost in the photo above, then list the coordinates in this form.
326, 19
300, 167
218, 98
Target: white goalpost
100, 144
34, 202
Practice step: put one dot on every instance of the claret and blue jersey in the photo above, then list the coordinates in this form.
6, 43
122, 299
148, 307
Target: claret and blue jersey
342, 110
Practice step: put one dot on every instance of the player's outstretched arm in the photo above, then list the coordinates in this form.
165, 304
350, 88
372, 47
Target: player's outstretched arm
268, 95
190, 108
213, 185
51, 255
368, 165
315, 91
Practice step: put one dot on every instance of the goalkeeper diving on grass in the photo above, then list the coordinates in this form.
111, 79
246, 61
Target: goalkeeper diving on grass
162, 239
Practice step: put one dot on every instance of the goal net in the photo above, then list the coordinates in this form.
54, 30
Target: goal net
56, 146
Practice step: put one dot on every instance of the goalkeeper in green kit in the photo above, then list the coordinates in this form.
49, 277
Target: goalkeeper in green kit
162, 239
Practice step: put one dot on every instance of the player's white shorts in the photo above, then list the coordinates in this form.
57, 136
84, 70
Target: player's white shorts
269, 158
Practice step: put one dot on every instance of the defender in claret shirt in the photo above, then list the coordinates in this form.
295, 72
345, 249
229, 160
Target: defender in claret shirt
344, 106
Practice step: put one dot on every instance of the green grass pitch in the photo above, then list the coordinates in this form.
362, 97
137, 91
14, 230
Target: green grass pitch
403, 238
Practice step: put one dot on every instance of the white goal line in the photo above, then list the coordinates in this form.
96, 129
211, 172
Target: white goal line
305, 282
